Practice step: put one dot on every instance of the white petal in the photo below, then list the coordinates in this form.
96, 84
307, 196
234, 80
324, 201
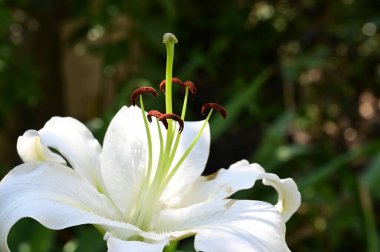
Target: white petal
289, 198
76, 143
125, 156
57, 197
228, 225
30, 149
117, 245
222, 184
193, 166
239, 176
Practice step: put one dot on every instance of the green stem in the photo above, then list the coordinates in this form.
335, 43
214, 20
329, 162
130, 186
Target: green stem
178, 137
187, 152
169, 76
148, 137
184, 106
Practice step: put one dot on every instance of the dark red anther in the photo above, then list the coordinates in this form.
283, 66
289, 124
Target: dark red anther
154, 113
158, 115
191, 86
215, 106
175, 118
174, 80
140, 91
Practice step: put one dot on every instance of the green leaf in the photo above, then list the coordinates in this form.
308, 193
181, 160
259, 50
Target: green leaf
330, 168
244, 97
371, 175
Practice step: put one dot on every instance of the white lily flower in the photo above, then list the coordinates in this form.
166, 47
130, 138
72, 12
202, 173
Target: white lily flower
144, 188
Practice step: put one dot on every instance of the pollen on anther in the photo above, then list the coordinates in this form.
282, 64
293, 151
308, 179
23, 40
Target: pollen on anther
140, 91
154, 113
175, 118
215, 106
157, 114
174, 80
191, 86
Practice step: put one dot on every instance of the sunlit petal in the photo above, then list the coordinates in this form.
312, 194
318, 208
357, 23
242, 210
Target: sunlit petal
117, 245
77, 144
57, 197
289, 198
193, 166
229, 225
239, 176
222, 184
30, 149
125, 157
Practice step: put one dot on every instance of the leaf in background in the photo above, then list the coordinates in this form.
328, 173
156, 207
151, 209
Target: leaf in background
29, 235
369, 217
325, 171
371, 175
89, 239
240, 100
273, 141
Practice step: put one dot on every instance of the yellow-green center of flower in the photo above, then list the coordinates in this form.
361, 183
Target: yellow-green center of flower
155, 182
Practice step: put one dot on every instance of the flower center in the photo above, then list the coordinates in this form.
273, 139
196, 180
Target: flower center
155, 182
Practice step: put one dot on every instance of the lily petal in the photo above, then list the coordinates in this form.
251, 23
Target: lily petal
289, 198
220, 185
77, 144
57, 197
229, 225
193, 166
239, 176
117, 245
30, 149
125, 156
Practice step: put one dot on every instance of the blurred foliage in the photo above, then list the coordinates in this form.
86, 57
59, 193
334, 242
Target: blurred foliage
300, 80
17, 76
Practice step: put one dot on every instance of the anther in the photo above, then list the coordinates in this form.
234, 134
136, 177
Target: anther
215, 106
154, 113
174, 80
191, 86
175, 118
157, 114
140, 91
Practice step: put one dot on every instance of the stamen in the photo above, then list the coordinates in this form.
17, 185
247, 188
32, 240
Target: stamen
215, 106
140, 91
184, 156
191, 86
158, 115
154, 113
174, 80
173, 117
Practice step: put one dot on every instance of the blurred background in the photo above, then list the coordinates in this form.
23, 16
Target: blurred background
300, 81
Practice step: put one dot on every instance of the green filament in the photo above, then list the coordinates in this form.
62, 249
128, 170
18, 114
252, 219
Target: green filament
155, 184
149, 138
187, 152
